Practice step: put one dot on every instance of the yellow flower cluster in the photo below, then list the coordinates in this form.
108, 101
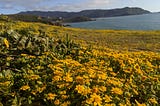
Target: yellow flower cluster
6, 42
51, 96
104, 82
25, 87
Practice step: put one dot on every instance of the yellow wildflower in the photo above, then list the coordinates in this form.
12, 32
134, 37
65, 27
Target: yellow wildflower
102, 88
89, 101
86, 91
7, 83
56, 102
102, 76
114, 82
94, 99
6, 42
139, 71
58, 72
41, 89
79, 79
122, 104
32, 57
56, 78
51, 96
38, 67
128, 70
64, 97
109, 105
13, 94
9, 58
25, 87
62, 92
30, 71
61, 85
110, 69
128, 94
107, 98
66, 103
153, 100
136, 66
135, 91
33, 77
128, 102
113, 74
144, 78
34, 92
95, 89
138, 104
39, 82
68, 78
80, 88
117, 91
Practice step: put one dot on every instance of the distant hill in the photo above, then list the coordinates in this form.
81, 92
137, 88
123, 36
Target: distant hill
27, 18
58, 17
78, 19
90, 13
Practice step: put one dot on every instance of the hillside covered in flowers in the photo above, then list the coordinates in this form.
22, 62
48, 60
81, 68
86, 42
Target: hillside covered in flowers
43, 65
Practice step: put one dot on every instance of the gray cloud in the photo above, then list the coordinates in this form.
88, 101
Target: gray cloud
88, 4
6, 6
25, 4
38, 5
98, 3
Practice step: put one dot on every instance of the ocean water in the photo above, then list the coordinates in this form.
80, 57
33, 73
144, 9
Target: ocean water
133, 22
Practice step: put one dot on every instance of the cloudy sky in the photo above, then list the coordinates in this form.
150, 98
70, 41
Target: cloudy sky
15, 6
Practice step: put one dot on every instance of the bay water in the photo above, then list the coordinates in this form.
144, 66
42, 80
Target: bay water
132, 22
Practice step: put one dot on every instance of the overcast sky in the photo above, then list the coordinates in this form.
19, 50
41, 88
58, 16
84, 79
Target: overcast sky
15, 6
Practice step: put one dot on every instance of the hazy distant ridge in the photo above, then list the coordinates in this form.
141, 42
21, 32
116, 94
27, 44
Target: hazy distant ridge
90, 13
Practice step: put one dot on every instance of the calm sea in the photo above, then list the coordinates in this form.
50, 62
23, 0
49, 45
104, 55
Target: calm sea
134, 22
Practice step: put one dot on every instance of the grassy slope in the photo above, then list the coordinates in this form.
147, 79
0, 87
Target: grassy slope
114, 39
